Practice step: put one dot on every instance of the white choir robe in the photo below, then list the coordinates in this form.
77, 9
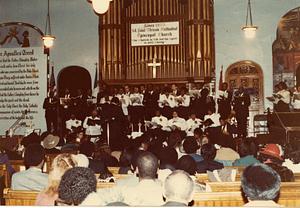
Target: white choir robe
178, 122
186, 99
136, 99
166, 101
73, 123
191, 125
92, 130
215, 117
286, 96
296, 101
160, 120
125, 102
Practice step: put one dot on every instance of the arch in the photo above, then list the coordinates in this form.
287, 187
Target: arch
286, 48
250, 75
73, 78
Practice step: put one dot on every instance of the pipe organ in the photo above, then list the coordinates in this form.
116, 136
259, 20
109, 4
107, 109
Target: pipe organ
193, 58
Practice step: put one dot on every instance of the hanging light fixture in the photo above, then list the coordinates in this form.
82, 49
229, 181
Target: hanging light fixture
249, 28
100, 6
48, 38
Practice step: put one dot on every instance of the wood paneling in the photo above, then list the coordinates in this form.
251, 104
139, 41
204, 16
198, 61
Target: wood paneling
193, 57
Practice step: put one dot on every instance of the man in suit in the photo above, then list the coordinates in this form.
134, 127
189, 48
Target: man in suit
241, 104
51, 106
150, 101
178, 189
224, 101
31, 179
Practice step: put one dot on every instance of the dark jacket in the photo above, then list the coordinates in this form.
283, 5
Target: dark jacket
286, 174
97, 166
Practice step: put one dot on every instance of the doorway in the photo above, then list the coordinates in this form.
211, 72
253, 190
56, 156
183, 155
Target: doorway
74, 78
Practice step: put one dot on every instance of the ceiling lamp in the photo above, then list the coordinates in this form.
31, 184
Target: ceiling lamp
100, 6
48, 38
249, 28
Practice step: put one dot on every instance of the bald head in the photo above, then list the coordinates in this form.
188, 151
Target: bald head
179, 187
147, 165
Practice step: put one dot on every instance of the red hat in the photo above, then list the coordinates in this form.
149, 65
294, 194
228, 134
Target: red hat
271, 150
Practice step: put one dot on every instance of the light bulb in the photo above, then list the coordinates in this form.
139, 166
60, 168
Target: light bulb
100, 6
48, 41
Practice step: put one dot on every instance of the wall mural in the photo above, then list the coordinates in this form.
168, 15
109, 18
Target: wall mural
286, 49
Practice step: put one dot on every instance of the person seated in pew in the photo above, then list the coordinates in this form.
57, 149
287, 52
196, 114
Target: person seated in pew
226, 155
248, 152
5, 160
261, 186
190, 147
158, 121
77, 187
59, 166
178, 189
103, 153
208, 153
270, 155
88, 148
31, 179
126, 160
215, 117
167, 158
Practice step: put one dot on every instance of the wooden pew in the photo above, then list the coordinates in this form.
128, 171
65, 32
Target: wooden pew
235, 199
114, 170
5, 174
236, 186
19, 198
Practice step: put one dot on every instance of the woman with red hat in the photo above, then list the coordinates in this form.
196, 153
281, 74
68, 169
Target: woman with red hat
270, 155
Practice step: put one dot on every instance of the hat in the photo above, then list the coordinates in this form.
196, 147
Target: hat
271, 150
50, 141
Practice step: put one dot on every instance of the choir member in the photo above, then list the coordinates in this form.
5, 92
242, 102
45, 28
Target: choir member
213, 116
183, 103
203, 103
159, 121
177, 123
174, 89
284, 98
136, 110
51, 106
124, 100
92, 125
224, 101
73, 123
103, 90
241, 105
192, 123
167, 103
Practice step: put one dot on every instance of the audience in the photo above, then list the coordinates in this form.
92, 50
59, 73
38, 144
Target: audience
226, 155
208, 152
178, 189
261, 185
168, 158
75, 186
31, 179
59, 166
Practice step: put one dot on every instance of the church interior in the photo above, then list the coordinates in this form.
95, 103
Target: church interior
112, 102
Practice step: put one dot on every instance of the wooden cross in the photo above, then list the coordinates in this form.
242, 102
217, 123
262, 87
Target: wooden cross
154, 66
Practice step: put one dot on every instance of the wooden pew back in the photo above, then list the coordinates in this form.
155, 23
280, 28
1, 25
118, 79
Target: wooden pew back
19, 198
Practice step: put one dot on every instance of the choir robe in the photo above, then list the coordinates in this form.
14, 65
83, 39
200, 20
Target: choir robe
191, 125
178, 122
283, 101
92, 130
167, 104
125, 102
136, 109
71, 124
183, 105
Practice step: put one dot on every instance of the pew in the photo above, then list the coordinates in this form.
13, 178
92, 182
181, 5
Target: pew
236, 186
19, 198
236, 199
114, 170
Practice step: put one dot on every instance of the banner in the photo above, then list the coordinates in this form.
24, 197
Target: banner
23, 79
158, 33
